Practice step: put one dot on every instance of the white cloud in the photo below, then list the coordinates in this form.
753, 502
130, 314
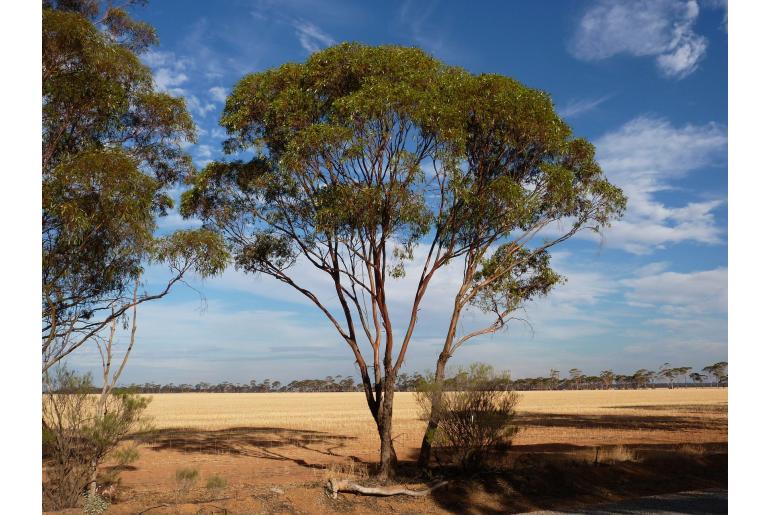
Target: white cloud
167, 79
197, 106
311, 37
575, 108
218, 93
681, 294
663, 29
644, 157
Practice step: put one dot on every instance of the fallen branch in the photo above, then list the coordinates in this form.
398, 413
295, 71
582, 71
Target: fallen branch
343, 485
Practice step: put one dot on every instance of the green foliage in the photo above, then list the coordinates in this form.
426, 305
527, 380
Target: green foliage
512, 276
80, 432
475, 413
333, 165
111, 146
201, 250
321, 125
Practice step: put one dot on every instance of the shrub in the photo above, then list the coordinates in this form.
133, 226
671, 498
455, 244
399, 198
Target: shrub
216, 482
186, 477
80, 430
475, 418
618, 454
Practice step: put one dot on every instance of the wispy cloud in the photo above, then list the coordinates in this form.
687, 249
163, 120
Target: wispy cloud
644, 157
311, 37
218, 93
419, 18
577, 107
663, 29
681, 294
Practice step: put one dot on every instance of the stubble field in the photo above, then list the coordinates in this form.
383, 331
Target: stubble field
262, 444
587, 417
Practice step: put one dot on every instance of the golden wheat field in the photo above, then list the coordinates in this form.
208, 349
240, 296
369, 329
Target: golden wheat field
579, 417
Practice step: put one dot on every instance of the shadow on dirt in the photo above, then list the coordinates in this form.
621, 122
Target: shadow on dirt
538, 481
633, 422
256, 442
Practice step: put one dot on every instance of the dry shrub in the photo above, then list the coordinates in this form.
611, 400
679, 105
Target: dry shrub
349, 469
79, 433
476, 419
216, 482
186, 477
617, 454
692, 450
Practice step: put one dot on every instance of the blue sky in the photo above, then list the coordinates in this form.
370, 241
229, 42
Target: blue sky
645, 81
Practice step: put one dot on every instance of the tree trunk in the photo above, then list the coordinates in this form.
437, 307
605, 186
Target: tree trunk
430, 431
388, 459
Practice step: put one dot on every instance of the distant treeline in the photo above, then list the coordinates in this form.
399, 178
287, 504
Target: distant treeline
665, 377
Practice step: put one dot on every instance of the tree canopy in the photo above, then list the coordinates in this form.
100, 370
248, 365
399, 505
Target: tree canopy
111, 147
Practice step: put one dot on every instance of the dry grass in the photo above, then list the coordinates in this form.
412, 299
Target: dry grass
617, 454
615, 417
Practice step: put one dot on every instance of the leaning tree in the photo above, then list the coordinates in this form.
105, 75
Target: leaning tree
525, 185
362, 165
111, 147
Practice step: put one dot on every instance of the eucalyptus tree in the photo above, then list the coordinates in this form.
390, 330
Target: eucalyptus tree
717, 371
362, 155
525, 185
607, 377
349, 147
111, 148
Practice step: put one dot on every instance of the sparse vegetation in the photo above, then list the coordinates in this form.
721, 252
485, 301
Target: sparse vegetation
80, 431
617, 454
186, 478
473, 414
216, 482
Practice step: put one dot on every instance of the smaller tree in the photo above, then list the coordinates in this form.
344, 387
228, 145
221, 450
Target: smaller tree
576, 377
682, 372
718, 371
607, 377
642, 378
668, 373
553, 378
697, 378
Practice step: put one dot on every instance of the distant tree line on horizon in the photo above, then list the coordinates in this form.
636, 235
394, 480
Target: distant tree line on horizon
665, 377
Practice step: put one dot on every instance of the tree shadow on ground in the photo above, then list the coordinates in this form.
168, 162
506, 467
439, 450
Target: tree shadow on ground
678, 408
256, 442
634, 422
542, 481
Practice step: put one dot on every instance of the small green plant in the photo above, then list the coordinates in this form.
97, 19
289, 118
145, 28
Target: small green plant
186, 477
95, 504
216, 482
